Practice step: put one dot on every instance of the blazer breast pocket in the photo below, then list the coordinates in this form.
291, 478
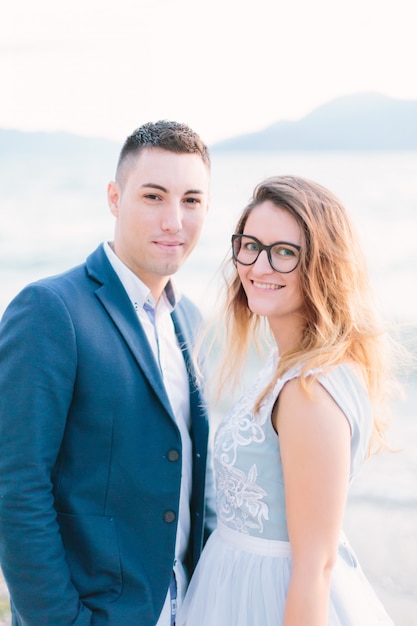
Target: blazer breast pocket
93, 556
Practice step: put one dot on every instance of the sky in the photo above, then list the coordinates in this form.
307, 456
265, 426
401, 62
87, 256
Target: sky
101, 68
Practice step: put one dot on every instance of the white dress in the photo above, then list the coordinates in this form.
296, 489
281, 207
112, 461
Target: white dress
244, 572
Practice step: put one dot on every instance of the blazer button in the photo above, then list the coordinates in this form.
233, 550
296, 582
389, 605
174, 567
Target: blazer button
169, 517
173, 455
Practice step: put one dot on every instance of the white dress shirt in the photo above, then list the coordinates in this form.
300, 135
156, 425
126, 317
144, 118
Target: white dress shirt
172, 365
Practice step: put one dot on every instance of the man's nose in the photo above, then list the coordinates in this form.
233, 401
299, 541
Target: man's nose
172, 217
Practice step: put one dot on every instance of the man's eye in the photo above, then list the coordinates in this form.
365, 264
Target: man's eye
192, 200
152, 196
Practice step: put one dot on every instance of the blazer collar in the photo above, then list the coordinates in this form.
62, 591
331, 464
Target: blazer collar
113, 297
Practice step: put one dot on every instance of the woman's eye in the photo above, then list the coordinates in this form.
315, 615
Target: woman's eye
283, 251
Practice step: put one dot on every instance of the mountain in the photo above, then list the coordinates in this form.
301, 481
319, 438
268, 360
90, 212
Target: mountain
56, 145
367, 121
357, 122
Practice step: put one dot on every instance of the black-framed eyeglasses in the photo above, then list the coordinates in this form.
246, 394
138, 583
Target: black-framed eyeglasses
282, 255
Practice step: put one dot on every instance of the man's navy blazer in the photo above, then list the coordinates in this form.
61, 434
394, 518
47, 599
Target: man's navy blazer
90, 462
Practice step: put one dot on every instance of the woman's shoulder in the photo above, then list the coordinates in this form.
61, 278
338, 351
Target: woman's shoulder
346, 374
345, 384
345, 379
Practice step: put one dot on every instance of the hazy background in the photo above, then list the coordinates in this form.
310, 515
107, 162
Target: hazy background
101, 68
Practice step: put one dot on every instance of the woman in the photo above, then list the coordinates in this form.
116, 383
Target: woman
286, 453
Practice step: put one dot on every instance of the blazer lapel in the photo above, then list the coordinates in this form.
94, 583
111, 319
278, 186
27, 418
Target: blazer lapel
197, 403
116, 302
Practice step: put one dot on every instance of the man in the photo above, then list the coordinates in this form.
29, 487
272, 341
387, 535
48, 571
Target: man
103, 428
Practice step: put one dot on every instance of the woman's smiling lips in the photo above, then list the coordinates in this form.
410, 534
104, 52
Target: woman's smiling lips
267, 286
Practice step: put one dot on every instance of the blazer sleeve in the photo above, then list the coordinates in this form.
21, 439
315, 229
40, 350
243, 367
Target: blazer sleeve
37, 373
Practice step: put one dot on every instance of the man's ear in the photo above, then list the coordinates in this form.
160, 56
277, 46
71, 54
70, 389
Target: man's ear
113, 197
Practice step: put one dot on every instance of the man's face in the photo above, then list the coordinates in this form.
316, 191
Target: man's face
159, 204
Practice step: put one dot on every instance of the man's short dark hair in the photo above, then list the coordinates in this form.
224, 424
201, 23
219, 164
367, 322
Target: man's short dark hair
167, 135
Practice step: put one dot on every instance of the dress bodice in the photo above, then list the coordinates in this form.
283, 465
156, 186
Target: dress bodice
247, 458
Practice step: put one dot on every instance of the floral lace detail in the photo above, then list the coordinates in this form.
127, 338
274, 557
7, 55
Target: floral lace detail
239, 499
240, 502
239, 431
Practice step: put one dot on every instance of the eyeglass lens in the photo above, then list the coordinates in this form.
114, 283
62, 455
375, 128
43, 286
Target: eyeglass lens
282, 256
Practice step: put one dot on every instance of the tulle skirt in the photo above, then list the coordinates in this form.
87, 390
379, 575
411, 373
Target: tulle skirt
243, 581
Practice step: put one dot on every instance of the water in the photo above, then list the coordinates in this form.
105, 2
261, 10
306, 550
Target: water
53, 214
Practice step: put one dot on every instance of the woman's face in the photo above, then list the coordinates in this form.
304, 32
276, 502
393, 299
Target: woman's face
270, 293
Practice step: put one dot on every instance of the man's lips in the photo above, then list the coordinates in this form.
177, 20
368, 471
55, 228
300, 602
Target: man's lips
168, 243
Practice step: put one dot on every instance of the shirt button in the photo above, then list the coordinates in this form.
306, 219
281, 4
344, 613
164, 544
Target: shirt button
173, 455
169, 517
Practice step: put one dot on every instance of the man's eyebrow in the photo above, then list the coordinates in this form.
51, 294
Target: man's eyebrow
164, 189
155, 186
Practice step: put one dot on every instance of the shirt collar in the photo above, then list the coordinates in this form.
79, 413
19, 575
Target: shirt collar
138, 292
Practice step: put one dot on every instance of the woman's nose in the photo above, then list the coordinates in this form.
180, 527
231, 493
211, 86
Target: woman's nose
262, 264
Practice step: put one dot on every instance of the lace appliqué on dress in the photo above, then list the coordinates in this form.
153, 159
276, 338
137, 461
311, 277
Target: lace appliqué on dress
240, 500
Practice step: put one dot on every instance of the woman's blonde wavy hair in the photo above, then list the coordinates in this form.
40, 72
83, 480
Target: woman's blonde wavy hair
341, 324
